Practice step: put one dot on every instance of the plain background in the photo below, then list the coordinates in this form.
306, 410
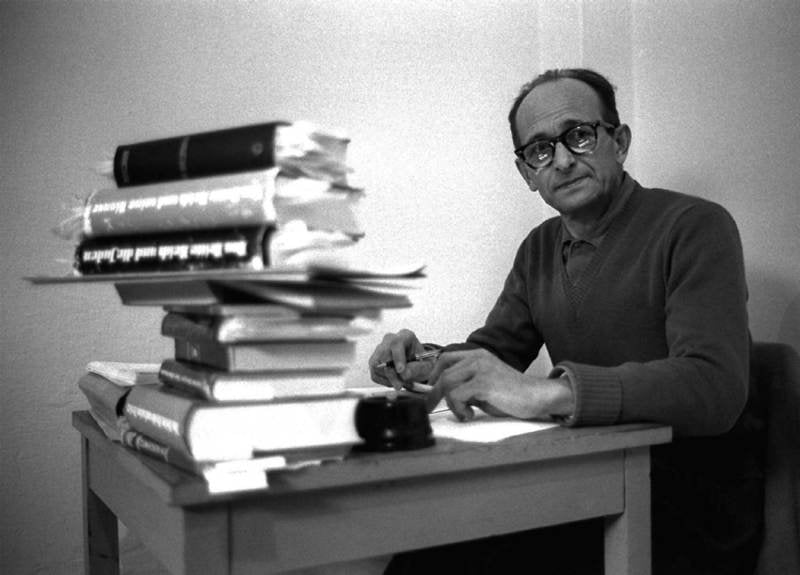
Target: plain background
709, 88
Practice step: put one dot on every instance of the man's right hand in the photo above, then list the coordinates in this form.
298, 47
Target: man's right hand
398, 347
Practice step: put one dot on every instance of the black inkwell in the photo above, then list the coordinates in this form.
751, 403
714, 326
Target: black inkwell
393, 423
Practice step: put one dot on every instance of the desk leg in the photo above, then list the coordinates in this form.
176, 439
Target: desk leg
627, 538
100, 537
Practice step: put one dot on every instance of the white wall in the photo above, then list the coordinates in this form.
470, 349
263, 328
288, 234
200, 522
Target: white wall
423, 88
717, 104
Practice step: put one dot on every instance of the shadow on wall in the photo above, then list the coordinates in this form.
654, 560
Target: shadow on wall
789, 328
777, 317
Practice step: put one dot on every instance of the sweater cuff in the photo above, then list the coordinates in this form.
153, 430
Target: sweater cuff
597, 392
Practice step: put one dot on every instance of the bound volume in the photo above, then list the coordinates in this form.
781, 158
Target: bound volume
263, 328
106, 401
295, 355
298, 149
207, 431
219, 202
216, 385
240, 248
235, 475
235, 200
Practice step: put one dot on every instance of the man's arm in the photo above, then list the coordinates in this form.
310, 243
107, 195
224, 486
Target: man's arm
509, 331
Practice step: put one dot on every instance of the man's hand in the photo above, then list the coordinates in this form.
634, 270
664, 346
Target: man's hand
478, 378
397, 347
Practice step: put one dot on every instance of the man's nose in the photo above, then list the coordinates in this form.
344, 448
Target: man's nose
562, 157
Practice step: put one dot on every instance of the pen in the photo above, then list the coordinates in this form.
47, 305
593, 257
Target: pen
433, 354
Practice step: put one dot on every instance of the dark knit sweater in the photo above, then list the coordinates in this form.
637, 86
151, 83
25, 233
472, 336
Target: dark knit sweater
654, 329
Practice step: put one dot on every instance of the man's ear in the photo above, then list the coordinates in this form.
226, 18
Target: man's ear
622, 139
525, 171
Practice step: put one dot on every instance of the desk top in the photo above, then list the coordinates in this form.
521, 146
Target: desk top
177, 487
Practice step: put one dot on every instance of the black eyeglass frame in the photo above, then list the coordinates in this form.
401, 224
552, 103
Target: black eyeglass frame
562, 138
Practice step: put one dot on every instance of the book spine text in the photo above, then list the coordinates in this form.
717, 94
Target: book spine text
215, 202
160, 416
245, 248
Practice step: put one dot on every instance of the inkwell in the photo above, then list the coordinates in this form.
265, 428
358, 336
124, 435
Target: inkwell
396, 422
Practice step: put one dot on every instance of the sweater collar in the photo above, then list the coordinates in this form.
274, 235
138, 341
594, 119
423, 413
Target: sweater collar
617, 204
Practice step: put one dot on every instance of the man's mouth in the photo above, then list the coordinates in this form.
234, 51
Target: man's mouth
569, 183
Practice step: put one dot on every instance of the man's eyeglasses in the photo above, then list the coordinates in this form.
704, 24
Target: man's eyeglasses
580, 139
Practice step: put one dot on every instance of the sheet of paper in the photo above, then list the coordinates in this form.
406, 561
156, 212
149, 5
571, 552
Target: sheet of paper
125, 373
483, 428
241, 475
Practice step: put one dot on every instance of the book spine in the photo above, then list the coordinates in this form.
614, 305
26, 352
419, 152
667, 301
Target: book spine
177, 375
161, 416
219, 357
224, 387
256, 329
215, 202
217, 152
333, 354
152, 448
177, 325
103, 395
238, 248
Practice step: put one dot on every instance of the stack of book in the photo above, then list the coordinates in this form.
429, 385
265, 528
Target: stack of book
107, 387
237, 234
238, 198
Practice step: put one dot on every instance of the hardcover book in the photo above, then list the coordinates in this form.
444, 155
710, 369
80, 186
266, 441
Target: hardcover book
234, 248
234, 475
195, 292
262, 328
106, 402
226, 201
180, 458
223, 310
297, 148
236, 200
217, 385
321, 296
301, 355
206, 431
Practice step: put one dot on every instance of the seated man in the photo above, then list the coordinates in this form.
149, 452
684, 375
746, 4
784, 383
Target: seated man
639, 296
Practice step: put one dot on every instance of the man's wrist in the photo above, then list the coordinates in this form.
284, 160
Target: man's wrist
562, 405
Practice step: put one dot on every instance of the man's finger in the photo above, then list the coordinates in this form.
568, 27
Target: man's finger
393, 379
443, 362
449, 372
416, 371
460, 389
399, 353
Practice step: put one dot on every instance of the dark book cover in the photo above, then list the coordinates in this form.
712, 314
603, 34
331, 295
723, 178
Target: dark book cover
195, 155
194, 250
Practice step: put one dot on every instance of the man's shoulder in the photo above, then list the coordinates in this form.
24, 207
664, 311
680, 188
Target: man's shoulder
547, 231
664, 198
665, 215
666, 204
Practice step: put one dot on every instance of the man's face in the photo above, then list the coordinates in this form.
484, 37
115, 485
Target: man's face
576, 185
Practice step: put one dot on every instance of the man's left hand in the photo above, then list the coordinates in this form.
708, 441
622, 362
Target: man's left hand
479, 378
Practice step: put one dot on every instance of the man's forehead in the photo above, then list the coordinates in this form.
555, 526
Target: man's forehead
550, 106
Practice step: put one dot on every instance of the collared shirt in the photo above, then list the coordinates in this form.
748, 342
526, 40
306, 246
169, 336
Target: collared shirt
577, 253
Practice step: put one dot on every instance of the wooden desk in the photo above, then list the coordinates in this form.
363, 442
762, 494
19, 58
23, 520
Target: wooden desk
344, 511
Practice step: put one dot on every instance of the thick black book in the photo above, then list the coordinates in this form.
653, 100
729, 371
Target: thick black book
237, 248
298, 147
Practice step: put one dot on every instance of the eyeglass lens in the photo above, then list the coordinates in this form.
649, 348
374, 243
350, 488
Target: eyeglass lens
579, 140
